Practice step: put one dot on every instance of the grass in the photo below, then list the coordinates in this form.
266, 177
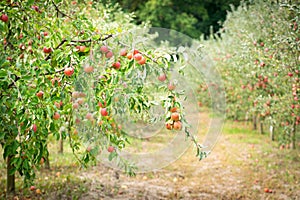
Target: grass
241, 166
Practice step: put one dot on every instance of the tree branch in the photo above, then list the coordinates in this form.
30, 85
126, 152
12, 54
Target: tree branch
59, 11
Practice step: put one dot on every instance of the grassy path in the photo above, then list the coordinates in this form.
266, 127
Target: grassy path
241, 166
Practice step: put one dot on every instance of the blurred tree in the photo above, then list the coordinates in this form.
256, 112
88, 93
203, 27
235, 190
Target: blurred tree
191, 17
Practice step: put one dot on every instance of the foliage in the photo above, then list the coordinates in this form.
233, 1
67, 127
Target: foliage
257, 54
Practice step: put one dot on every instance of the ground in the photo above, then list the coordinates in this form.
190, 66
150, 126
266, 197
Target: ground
242, 165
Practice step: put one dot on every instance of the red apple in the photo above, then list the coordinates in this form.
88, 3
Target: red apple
89, 148
104, 112
40, 94
117, 65
4, 18
177, 125
142, 61
171, 86
68, 71
47, 49
88, 69
175, 116
129, 56
80, 101
109, 54
169, 126
110, 149
123, 52
290, 74
56, 116
81, 48
162, 77
32, 188
45, 34
135, 51
174, 109
89, 116
137, 56
104, 49
34, 127
75, 105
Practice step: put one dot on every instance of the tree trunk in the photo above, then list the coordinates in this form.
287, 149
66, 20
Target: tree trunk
272, 133
61, 145
10, 184
294, 136
47, 162
254, 122
261, 127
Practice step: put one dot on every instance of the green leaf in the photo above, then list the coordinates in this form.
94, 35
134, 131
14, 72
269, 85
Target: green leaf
30, 2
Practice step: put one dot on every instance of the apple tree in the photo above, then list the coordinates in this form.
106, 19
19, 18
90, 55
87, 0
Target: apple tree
67, 70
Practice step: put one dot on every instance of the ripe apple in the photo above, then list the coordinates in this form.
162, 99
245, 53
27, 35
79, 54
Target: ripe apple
123, 52
88, 69
262, 64
109, 54
137, 56
69, 71
104, 112
135, 51
262, 44
171, 86
129, 56
142, 61
4, 18
162, 77
177, 125
80, 101
42, 161
110, 149
174, 109
75, 105
22, 47
34, 127
290, 74
38, 191
175, 116
89, 116
103, 49
40, 94
32, 188
56, 116
81, 48
75, 94
47, 49
117, 65
169, 126
57, 104
45, 34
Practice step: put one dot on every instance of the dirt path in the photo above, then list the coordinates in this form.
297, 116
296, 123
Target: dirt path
241, 166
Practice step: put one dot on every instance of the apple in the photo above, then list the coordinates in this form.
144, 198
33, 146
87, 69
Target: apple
22, 47
45, 34
32, 188
57, 104
177, 125
290, 74
68, 71
88, 69
42, 161
56, 116
129, 56
110, 149
47, 50
262, 44
109, 54
75, 132
142, 61
262, 64
169, 126
104, 112
137, 56
162, 77
89, 116
80, 101
36, 8
75, 94
171, 86
40, 94
117, 65
75, 105
103, 49
38, 191
174, 109
123, 52
135, 51
175, 116
77, 121
81, 48
34, 127
4, 18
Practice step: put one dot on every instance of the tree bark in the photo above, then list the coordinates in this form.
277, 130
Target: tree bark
294, 136
254, 122
261, 127
61, 145
10, 184
272, 133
